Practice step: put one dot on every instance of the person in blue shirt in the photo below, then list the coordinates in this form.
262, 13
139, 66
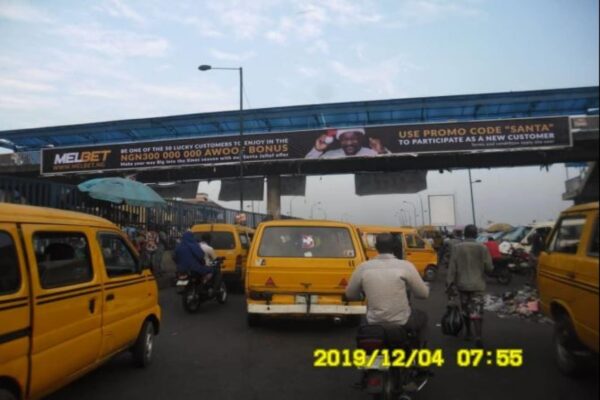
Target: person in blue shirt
189, 256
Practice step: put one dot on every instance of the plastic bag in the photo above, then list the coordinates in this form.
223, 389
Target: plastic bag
452, 321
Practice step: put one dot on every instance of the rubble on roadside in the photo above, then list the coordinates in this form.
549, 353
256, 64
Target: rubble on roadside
523, 303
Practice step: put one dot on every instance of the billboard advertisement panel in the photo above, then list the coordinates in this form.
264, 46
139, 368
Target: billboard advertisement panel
322, 144
442, 210
373, 183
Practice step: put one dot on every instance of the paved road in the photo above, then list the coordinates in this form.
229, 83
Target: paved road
213, 355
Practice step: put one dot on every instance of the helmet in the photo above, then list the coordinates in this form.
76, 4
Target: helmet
452, 321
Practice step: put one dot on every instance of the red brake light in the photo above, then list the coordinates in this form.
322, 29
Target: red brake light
370, 344
238, 261
374, 381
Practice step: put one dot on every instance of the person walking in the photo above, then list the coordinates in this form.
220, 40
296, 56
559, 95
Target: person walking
151, 246
537, 242
469, 260
157, 256
453, 239
140, 245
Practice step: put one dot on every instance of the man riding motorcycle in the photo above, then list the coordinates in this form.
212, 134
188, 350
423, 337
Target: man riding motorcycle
209, 251
384, 281
189, 257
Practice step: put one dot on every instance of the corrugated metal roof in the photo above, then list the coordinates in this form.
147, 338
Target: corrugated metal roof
572, 101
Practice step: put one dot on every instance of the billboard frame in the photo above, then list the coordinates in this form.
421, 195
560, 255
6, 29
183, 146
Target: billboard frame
249, 137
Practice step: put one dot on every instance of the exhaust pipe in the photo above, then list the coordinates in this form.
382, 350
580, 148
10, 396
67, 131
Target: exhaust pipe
337, 320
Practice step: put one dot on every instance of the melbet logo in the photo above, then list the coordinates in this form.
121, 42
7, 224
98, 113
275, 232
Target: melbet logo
82, 157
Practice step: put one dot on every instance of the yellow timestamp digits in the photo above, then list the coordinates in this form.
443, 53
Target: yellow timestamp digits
498, 357
396, 358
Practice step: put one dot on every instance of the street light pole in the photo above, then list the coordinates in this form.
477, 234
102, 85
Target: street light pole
414, 210
324, 212
422, 210
312, 208
291, 201
471, 182
205, 67
241, 139
402, 213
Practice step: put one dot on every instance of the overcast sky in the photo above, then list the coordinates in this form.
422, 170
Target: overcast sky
66, 61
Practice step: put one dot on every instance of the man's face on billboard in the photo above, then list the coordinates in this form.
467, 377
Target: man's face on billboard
350, 143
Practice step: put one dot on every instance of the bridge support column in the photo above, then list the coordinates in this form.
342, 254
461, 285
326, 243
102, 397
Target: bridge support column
274, 196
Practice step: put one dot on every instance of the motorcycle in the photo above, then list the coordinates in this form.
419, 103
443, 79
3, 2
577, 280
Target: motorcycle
380, 379
501, 271
196, 289
520, 262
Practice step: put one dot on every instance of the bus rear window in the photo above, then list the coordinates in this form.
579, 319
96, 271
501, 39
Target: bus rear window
218, 240
306, 241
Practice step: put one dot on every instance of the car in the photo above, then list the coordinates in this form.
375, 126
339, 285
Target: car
301, 268
568, 286
72, 295
482, 238
520, 237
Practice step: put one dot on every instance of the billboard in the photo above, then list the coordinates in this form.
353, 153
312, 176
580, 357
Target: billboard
374, 183
441, 210
321, 144
253, 189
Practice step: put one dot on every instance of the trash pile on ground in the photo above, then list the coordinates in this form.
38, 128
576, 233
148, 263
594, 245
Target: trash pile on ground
523, 303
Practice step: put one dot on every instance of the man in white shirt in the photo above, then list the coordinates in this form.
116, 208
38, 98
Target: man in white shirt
209, 252
350, 145
385, 281
209, 257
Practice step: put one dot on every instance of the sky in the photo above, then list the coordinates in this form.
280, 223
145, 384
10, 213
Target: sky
66, 62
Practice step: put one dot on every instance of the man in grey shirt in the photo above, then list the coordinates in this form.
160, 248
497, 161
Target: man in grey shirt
469, 261
385, 281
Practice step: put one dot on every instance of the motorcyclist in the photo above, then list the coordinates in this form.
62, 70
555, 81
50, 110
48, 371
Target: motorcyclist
385, 280
189, 257
209, 251
209, 257
498, 259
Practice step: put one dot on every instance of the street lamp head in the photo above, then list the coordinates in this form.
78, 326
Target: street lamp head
204, 67
477, 181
